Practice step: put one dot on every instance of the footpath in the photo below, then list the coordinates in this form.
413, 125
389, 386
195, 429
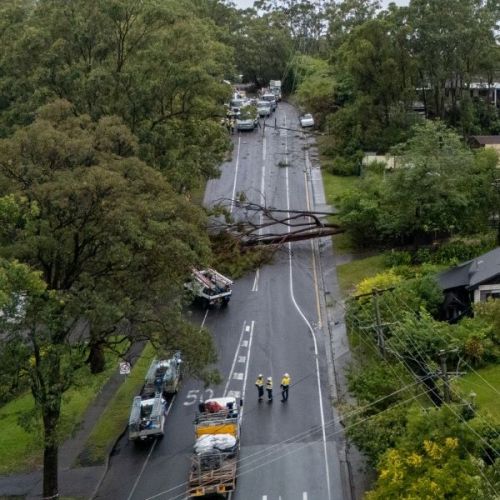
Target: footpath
74, 482
356, 478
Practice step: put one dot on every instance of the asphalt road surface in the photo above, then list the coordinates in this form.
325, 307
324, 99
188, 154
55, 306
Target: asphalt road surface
273, 324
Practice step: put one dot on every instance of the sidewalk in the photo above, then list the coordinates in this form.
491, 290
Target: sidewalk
74, 481
356, 478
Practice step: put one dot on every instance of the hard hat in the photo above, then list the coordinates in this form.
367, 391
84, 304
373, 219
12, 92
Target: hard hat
260, 375
286, 375
269, 378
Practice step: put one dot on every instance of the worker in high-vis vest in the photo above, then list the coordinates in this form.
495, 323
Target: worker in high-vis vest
259, 383
285, 384
269, 389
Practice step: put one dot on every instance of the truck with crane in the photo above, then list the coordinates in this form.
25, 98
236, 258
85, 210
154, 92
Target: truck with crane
209, 287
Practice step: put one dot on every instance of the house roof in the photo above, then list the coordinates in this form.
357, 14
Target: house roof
487, 139
472, 273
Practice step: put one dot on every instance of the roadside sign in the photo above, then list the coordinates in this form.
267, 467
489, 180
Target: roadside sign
124, 367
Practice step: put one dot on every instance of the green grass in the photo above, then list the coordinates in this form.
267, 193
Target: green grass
487, 399
337, 186
114, 419
352, 273
21, 449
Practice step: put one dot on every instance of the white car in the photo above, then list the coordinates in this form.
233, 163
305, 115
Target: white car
306, 120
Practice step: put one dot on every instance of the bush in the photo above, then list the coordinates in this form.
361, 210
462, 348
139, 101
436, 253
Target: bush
375, 382
460, 250
395, 258
344, 166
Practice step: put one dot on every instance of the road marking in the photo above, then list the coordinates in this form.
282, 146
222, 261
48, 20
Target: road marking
237, 376
304, 495
264, 497
247, 328
255, 287
311, 330
204, 319
246, 371
234, 359
235, 174
241, 359
244, 343
144, 465
234, 394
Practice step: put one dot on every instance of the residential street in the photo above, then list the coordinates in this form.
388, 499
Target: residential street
274, 324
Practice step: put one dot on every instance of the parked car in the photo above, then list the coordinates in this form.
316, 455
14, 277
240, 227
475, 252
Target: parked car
248, 118
271, 98
264, 108
306, 120
248, 124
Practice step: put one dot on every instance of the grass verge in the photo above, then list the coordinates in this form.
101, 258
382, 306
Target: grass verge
337, 186
487, 399
21, 446
115, 417
352, 273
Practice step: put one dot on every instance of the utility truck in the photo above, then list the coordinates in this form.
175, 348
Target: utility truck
214, 461
209, 287
149, 409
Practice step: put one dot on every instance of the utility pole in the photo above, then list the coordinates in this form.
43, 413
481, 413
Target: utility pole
378, 324
444, 376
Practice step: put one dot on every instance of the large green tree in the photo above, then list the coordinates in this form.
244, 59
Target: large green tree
112, 242
124, 58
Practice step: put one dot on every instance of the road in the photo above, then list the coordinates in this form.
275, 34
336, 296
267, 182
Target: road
274, 324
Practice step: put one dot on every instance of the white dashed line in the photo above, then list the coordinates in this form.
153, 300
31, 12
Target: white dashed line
237, 376
242, 359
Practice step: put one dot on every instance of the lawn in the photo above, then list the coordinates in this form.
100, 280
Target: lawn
485, 383
114, 419
336, 186
21, 447
352, 273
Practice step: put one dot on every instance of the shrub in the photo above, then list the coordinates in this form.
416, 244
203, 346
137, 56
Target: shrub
344, 166
395, 258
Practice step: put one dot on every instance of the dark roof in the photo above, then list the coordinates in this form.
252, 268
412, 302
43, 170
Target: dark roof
487, 139
472, 273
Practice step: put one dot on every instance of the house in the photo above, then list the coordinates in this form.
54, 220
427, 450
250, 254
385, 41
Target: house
470, 282
486, 141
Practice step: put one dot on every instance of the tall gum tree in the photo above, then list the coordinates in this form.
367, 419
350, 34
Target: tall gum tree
112, 242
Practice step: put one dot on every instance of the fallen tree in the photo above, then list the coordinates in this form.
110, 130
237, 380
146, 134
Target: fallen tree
257, 224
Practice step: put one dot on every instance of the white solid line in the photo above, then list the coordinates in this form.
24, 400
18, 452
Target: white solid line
264, 497
255, 287
246, 372
311, 330
235, 174
204, 319
234, 359
144, 465
304, 495
263, 180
